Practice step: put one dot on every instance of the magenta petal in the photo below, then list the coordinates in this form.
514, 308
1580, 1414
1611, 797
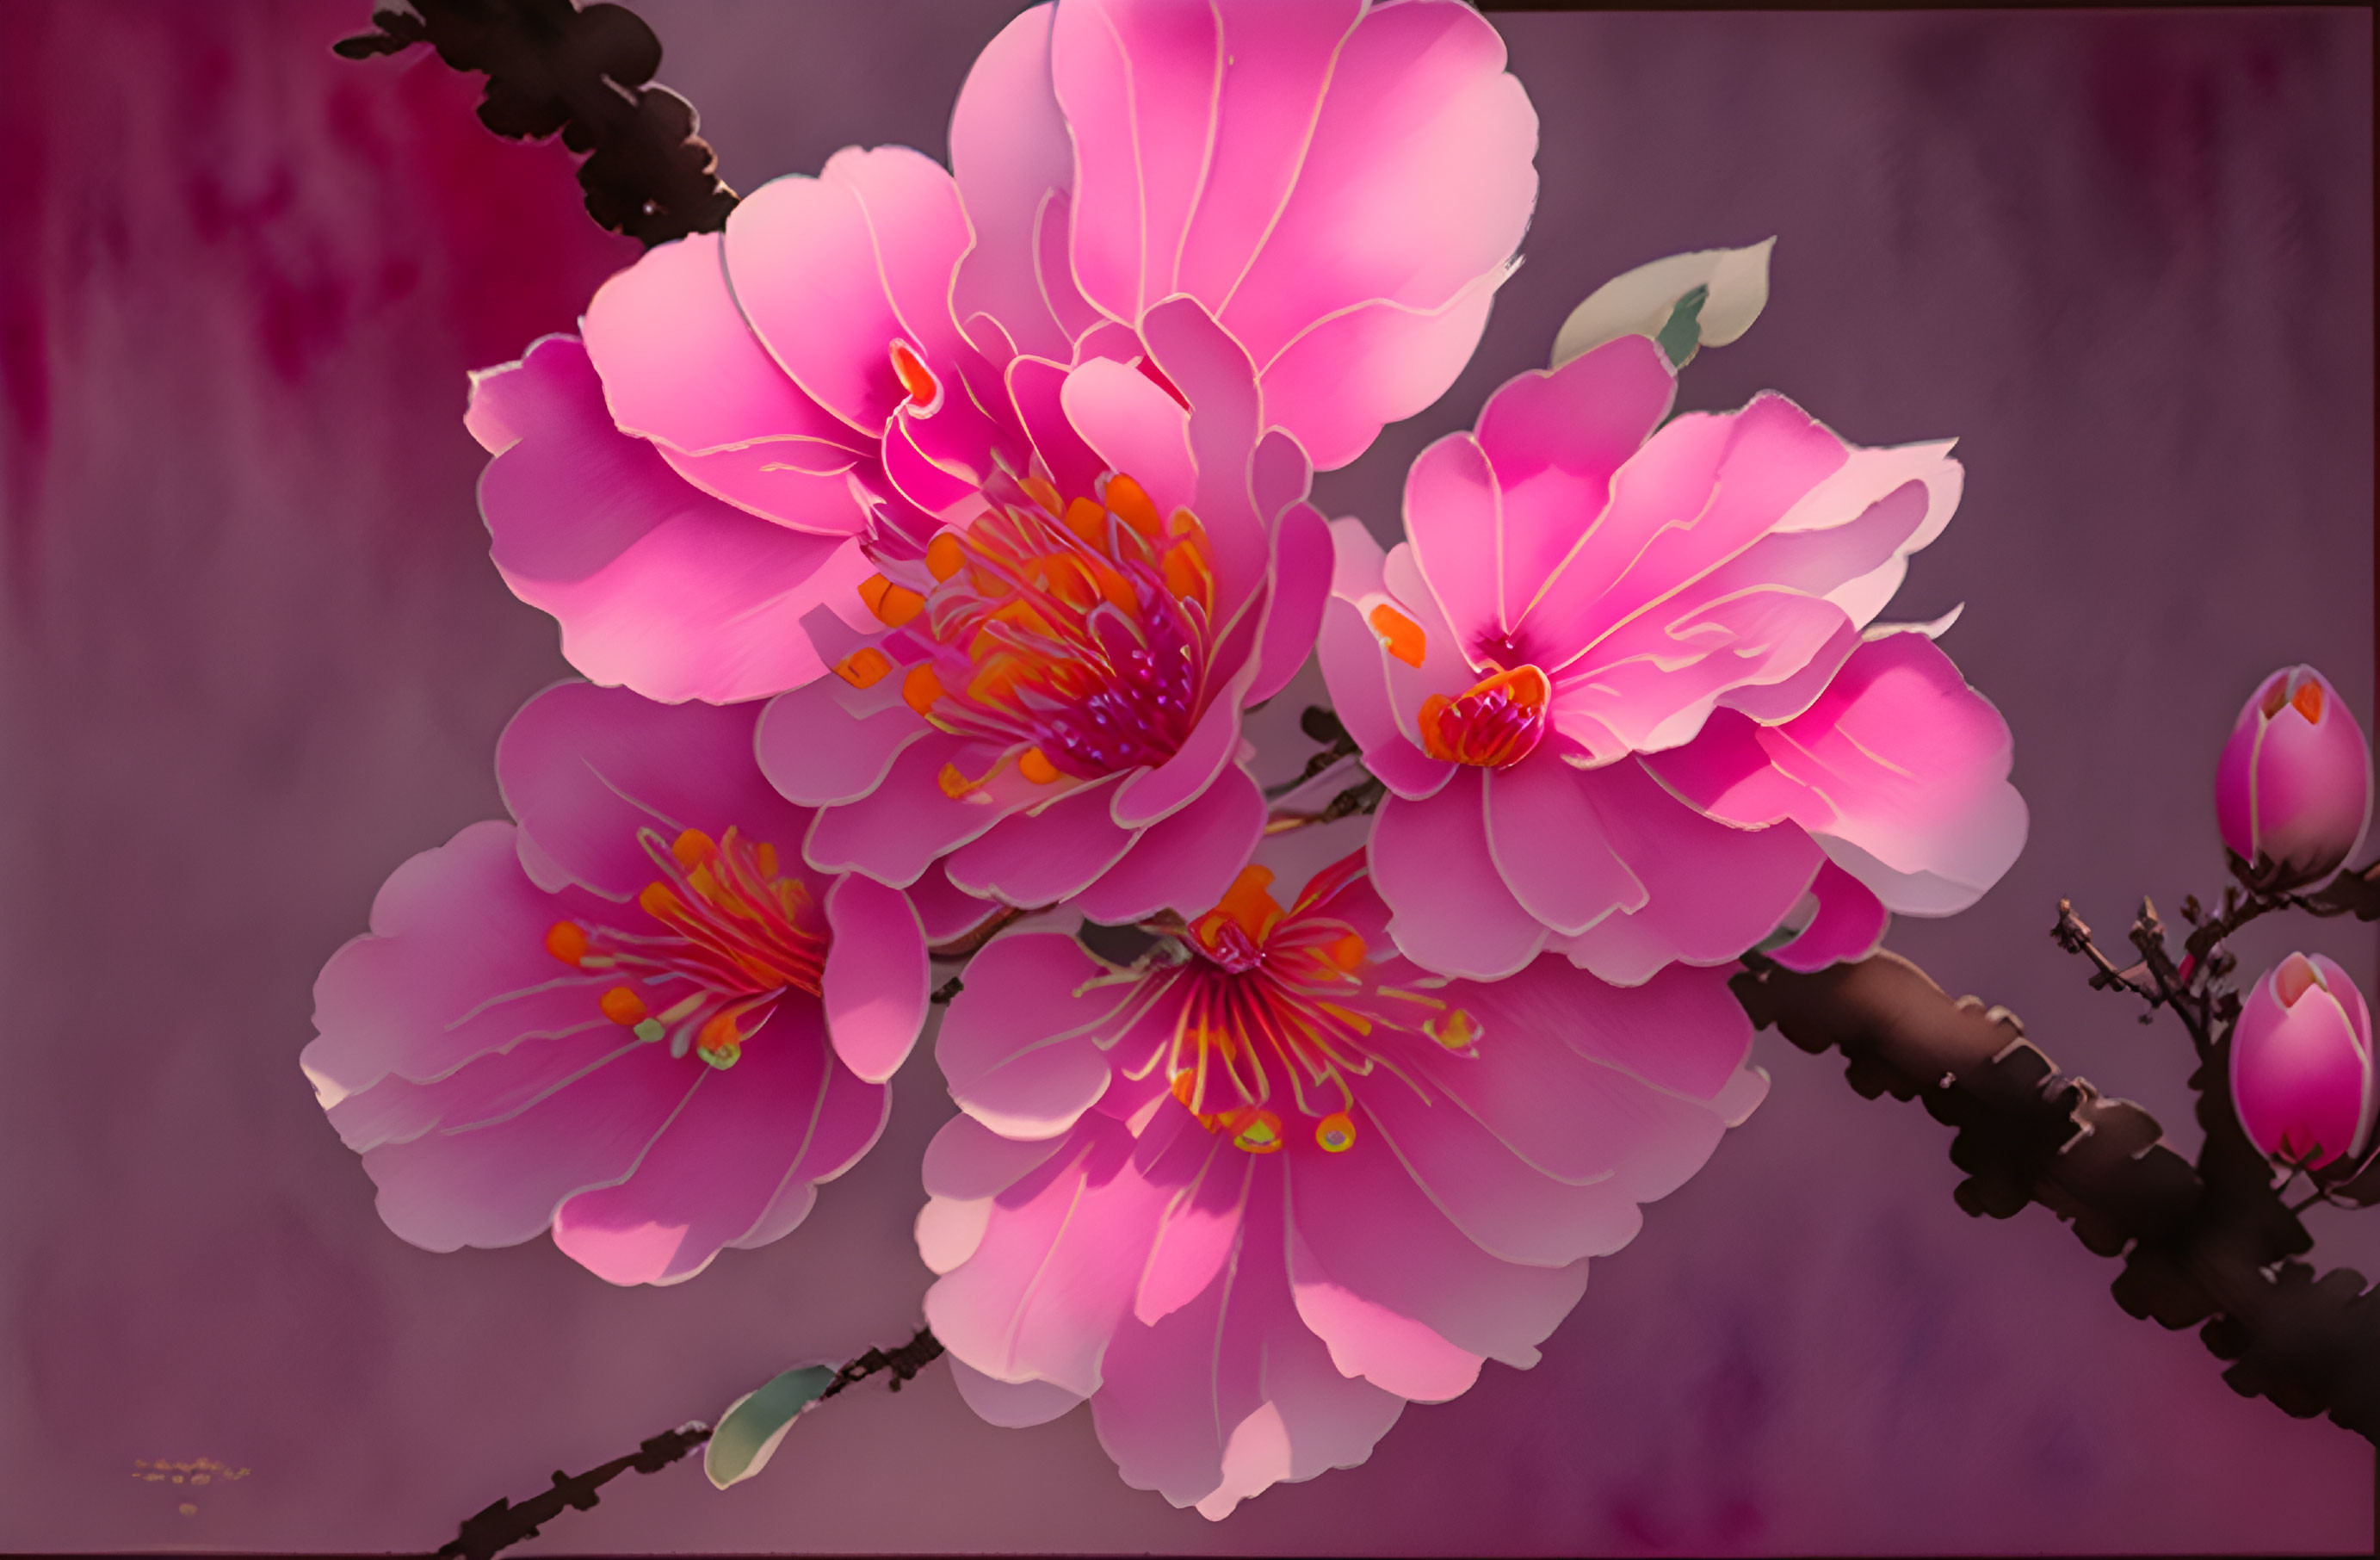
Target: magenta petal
944, 910
454, 967
657, 585
1431, 862
714, 1170
498, 1185
586, 768
1035, 387
1013, 1047
876, 979
1198, 1228
1232, 1393
1151, 794
851, 1116
815, 751
1300, 587
1185, 861
1431, 1273
1227, 432
1010, 1405
1454, 522
897, 830
1040, 857
1549, 843
1009, 150
1849, 925
681, 367
1376, 1342
831, 271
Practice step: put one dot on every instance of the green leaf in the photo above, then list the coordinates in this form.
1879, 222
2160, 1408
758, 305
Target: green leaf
1684, 333
754, 1423
1658, 301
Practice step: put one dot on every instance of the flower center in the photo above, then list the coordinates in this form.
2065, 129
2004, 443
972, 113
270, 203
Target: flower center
1494, 725
736, 936
1076, 646
1273, 1013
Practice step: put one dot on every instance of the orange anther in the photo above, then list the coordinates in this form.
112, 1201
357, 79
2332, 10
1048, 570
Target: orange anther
1132, 504
1249, 902
954, 783
864, 668
659, 902
1186, 574
566, 941
924, 389
1254, 1130
1087, 520
692, 848
920, 689
1186, 1087
2308, 699
623, 1007
718, 1034
1042, 492
892, 604
1335, 1132
1347, 953
764, 856
945, 555
1454, 1028
1035, 765
1402, 636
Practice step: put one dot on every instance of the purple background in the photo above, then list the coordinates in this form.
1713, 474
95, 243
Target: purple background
254, 656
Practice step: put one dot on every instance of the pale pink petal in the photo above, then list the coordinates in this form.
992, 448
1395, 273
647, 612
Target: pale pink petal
1454, 522
1154, 793
716, 1168
1375, 1342
1714, 890
681, 368
1185, 861
586, 768
1198, 1228
1849, 925
1431, 862
1042, 856
1214, 375
487, 1087
1354, 671
1431, 1273
945, 912
1338, 384
850, 1118
454, 967
657, 585
966, 1161
499, 1185
1300, 587
1009, 150
876, 980
1035, 387
1137, 428
1549, 843
1010, 1405
897, 830
817, 751
1013, 1047
831, 271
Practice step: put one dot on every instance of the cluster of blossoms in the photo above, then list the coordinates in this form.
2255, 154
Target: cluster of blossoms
929, 537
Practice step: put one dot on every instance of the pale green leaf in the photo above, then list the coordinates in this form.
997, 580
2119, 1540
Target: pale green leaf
748, 1432
1651, 300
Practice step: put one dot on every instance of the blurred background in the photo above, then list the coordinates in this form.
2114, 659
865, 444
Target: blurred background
252, 655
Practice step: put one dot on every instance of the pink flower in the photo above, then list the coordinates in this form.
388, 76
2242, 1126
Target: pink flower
756, 419
2293, 791
1617, 686
633, 1015
1251, 1195
2302, 1072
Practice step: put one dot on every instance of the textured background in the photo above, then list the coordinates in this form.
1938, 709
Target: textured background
254, 656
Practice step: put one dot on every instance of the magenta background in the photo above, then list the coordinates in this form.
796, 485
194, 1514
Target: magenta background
254, 656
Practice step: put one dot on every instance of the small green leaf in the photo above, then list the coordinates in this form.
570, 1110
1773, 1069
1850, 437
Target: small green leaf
754, 1423
1684, 333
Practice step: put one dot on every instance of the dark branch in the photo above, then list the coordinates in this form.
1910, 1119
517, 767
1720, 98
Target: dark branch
585, 75
903, 1362
2210, 1245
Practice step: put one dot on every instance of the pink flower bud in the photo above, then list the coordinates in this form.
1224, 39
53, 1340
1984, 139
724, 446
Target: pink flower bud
2293, 792
2301, 1076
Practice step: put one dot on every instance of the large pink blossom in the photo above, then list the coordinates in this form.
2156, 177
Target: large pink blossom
1252, 1194
755, 420
633, 1014
1624, 688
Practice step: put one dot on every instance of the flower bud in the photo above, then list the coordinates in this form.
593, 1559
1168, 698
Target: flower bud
2301, 1076
2293, 791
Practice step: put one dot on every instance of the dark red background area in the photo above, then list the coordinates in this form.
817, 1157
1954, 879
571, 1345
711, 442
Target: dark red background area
252, 655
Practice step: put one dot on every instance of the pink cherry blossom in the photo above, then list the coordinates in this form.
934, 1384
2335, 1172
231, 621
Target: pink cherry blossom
755, 421
1616, 685
2301, 1069
632, 1014
2293, 790
1252, 1194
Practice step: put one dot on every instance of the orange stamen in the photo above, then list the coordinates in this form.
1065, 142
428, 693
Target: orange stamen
915, 378
920, 689
944, 554
1036, 767
2308, 700
1400, 635
892, 604
1133, 505
566, 941
864, 668
623, 1007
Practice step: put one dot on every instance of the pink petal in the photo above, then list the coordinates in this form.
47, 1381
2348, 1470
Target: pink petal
1300, 589
1010, 1405
1150, 794
1009, 150
681, 367
717, 1166
831, 271
1548, 843
944, 910
1013, 1046
1455, 522
657, 585
498, 1183
1197, 1230
586, 768
1213, 372
1353, 669
817, 753
898, 829
1185, 861
1431, 862
850, 1118
876, 980
1371, 1341
1042, 856
1136, 428
1849, 926
966, 1161
1037, 388
1338, 383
